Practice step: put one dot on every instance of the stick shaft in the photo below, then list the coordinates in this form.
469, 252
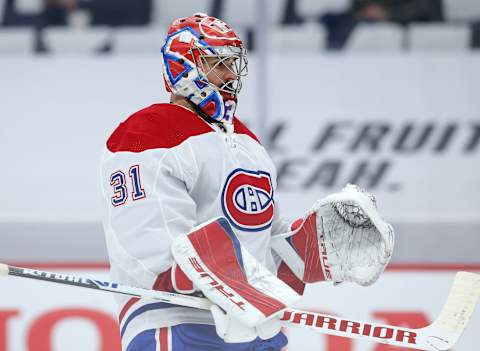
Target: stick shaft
81, 282
463, 297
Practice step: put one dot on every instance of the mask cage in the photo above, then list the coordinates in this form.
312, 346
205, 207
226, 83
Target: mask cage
210, 59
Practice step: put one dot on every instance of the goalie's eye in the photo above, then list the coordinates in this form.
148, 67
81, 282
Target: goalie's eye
230, 62
221, 62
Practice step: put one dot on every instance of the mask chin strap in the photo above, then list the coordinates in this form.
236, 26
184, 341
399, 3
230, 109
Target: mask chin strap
229, 108
206, 117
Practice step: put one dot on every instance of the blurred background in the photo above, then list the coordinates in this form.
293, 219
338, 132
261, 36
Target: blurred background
382, 93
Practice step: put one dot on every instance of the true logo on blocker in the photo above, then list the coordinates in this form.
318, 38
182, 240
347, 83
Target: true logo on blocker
247, 199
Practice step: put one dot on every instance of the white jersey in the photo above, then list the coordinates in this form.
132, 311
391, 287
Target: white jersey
164, 171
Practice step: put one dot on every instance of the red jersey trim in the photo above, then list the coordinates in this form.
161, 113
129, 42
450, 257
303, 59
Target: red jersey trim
162, 126
156, 127
241, 128
162, 283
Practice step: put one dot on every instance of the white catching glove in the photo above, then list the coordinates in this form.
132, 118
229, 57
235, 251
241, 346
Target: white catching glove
342, 238
359, 242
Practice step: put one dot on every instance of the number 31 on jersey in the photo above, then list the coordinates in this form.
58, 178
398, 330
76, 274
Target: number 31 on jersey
120, 190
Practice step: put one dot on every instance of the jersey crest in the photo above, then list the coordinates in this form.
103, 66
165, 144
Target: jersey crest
247, 199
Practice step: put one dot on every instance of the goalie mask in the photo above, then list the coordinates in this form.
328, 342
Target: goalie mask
196, 49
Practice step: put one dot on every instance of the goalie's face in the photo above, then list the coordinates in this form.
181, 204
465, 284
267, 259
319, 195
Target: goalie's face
224, 72
221, 72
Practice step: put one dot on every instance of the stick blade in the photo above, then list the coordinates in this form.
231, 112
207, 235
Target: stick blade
450, 324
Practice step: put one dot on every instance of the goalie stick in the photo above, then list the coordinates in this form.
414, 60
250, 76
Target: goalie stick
441, 335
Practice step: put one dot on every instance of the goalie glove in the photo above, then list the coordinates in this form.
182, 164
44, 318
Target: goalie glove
249, 298
342, 238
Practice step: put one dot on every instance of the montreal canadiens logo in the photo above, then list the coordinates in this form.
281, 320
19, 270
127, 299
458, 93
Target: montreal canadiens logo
247, 199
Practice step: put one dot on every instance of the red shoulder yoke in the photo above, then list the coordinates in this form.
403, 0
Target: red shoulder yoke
157, 126
241, 128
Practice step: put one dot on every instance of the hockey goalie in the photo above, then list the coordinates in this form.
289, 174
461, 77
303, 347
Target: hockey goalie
189, 207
